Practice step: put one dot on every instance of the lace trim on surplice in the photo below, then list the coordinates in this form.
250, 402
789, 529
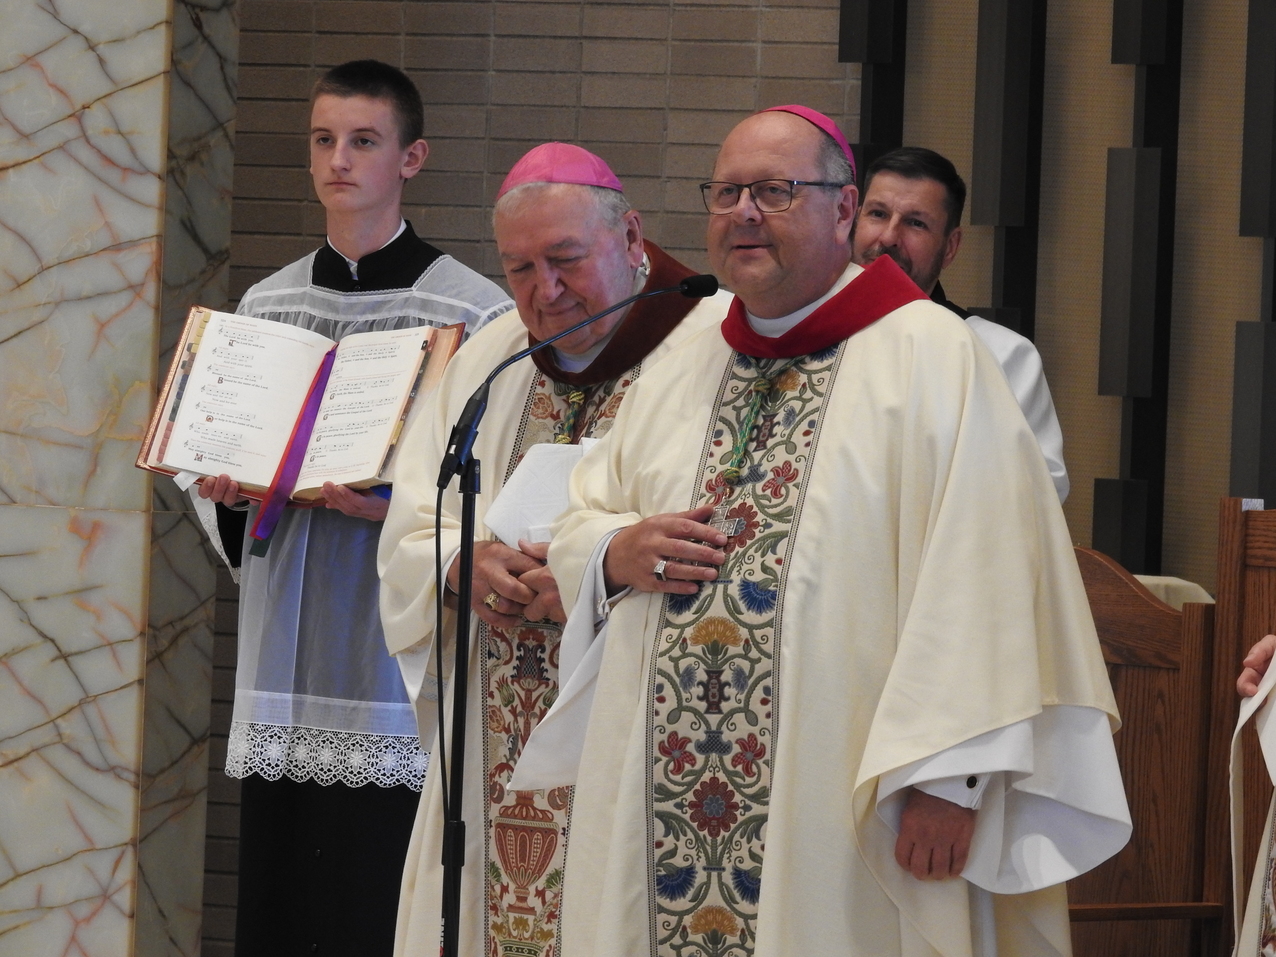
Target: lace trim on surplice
327, 757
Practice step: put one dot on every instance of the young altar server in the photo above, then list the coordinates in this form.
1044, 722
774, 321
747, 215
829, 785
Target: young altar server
323, 733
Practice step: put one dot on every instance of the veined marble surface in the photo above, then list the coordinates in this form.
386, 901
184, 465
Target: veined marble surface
196, 256
174, 771
72, 607
200, 163
82, 102
112, 164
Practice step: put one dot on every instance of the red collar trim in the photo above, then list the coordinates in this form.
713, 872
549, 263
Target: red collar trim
881, 288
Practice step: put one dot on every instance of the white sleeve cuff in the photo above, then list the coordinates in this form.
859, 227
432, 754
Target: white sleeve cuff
946, 774
414, 666
448, 562
967, 791
590, 613
414, 662
1053, 805
605, 603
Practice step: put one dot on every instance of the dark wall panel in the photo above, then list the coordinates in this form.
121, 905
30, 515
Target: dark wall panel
1258, 156
1131, 223
998, 181
1138, 31
873, 33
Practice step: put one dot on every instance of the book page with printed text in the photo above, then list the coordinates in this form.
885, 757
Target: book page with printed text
372, 379
246, 384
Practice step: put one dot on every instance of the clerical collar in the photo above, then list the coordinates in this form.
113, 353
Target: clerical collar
643, 328
872, 293
581, 362
396, 265
354, 263
774, 328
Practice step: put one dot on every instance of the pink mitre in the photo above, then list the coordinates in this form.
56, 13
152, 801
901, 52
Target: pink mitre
823, 122
560, 163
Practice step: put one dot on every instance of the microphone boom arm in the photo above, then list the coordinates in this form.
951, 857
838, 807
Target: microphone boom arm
461, 441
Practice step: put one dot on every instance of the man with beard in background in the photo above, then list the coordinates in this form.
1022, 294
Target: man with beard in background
913, 201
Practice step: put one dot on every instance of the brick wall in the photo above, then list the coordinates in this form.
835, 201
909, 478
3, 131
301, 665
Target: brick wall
650, 87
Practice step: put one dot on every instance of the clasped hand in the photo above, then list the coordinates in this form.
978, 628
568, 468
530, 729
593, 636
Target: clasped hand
1255, 665
524, 587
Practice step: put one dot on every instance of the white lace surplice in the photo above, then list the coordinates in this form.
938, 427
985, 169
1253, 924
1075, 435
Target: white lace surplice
317, 697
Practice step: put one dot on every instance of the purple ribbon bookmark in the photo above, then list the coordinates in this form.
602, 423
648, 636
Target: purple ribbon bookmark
281, 489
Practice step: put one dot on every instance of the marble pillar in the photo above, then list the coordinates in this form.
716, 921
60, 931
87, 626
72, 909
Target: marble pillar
115, 161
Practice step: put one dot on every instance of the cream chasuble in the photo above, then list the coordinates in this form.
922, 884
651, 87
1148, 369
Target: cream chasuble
899, 580
516, 841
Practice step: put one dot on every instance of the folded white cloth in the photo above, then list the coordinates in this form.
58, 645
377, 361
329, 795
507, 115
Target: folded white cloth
535, 494
206, 512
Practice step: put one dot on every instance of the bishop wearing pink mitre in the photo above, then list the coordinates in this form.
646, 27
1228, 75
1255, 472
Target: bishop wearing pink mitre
571, 246
830, 683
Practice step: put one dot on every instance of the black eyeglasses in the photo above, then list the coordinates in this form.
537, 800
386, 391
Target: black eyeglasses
769, 195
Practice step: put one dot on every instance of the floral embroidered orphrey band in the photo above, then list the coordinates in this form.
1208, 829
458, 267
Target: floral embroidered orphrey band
712, 723
526, 831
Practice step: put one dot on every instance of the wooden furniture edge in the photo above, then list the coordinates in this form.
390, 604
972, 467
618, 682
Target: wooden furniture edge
1198, 910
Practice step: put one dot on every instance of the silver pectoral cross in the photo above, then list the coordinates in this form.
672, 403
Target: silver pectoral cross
730, 527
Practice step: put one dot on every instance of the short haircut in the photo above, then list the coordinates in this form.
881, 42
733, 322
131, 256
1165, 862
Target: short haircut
834, 166
377, 81
917, 162
611, 204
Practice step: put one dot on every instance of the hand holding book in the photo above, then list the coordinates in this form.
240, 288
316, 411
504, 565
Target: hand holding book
356, 504
234, 399
224, 490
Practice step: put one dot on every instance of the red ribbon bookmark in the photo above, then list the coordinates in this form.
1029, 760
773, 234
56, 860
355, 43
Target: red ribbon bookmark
285, 481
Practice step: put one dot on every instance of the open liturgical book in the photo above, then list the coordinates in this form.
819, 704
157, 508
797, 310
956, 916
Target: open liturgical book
282, 409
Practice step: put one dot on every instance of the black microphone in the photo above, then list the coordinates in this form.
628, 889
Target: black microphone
697, 287
461, 441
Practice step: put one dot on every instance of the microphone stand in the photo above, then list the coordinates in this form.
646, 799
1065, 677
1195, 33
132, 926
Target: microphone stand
459, 460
